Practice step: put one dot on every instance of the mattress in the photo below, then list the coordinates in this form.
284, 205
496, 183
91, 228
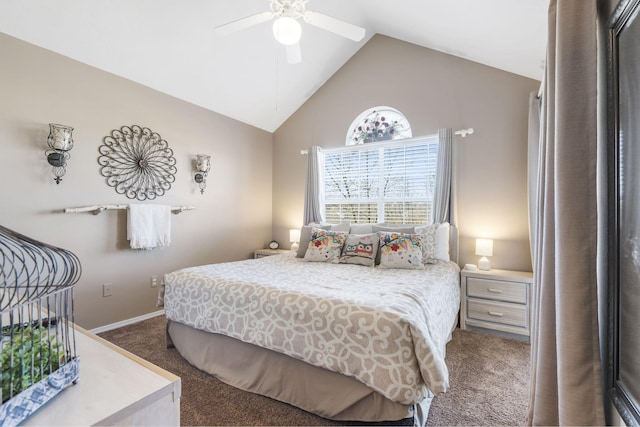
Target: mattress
387, 328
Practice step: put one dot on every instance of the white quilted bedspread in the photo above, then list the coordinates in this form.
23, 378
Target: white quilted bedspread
387, 328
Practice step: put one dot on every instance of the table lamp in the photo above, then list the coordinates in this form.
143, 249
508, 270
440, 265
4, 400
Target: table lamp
484, 248
294, 238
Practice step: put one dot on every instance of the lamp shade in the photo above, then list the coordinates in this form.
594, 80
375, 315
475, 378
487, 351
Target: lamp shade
60, 137
287, 30
484, 247
294, 236
203, 163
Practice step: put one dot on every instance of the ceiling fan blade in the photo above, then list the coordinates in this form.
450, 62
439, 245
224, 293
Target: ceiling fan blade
334, 25
293, 53
242, 23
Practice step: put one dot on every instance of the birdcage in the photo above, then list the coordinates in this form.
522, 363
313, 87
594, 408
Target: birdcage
37, 338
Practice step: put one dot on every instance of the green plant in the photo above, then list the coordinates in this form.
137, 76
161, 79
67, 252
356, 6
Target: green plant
29, 356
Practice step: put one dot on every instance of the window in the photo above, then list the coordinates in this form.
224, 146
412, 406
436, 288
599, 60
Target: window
378, 124
381, 182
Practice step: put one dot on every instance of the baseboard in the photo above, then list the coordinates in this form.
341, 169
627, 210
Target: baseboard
122, 323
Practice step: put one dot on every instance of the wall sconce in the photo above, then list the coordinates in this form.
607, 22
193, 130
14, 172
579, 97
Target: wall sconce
484, 248
203, 165
60, 142
294, 238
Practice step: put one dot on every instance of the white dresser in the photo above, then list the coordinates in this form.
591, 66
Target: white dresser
115, 388
497, 301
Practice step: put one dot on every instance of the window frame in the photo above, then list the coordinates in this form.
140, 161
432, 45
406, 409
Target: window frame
431, 163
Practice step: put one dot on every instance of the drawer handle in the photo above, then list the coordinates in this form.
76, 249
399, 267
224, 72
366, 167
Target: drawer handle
495, 313
494, 290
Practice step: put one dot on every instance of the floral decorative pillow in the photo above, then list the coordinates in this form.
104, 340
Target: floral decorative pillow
400, 250
429, 243
305, 233
325, 245
360, 249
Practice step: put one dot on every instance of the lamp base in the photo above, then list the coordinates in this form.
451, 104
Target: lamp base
294, 247
483, 264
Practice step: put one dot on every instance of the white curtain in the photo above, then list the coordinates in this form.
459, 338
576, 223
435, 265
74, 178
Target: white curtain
565, 377
313, 193
442, 200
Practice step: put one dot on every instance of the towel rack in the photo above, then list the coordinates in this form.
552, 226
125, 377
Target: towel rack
96, 209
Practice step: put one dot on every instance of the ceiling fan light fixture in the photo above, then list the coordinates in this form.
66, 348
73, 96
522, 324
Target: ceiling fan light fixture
287, 31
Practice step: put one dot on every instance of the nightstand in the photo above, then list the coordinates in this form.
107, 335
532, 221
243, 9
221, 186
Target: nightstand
261, 253
499, 301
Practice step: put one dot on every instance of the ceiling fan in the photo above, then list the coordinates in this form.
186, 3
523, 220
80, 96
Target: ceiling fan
287, 29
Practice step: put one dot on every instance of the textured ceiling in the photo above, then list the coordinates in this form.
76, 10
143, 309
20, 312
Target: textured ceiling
171, 45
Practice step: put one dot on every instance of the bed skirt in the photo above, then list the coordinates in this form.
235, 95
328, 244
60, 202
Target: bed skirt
262, 371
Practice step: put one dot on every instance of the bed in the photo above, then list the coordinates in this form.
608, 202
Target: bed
344, 341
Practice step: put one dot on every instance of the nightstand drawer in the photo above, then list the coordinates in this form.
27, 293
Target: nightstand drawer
261, 253
497, 312
497, 290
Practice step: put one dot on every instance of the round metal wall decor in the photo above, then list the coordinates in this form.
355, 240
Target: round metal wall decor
137, 163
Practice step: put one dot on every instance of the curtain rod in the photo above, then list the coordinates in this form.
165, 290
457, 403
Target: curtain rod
462, 132
96, 209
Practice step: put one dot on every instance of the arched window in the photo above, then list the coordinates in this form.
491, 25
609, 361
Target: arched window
378, 124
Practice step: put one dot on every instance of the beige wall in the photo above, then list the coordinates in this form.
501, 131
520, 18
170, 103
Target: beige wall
257, 179
434, 90
232, 218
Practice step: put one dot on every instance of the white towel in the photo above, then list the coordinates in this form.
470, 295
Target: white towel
149, 226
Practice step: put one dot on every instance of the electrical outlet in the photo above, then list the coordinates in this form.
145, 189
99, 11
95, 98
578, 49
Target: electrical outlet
154, 281
106, 290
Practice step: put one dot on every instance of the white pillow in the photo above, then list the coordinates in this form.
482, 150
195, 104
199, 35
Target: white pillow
398, 228
363, 228
442, 242
343, 226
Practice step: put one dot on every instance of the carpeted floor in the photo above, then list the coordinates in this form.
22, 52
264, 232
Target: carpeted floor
489, 379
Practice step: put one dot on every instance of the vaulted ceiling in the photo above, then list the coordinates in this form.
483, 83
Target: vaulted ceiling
171, 45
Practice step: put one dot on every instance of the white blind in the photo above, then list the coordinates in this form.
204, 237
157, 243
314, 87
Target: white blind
381, 182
